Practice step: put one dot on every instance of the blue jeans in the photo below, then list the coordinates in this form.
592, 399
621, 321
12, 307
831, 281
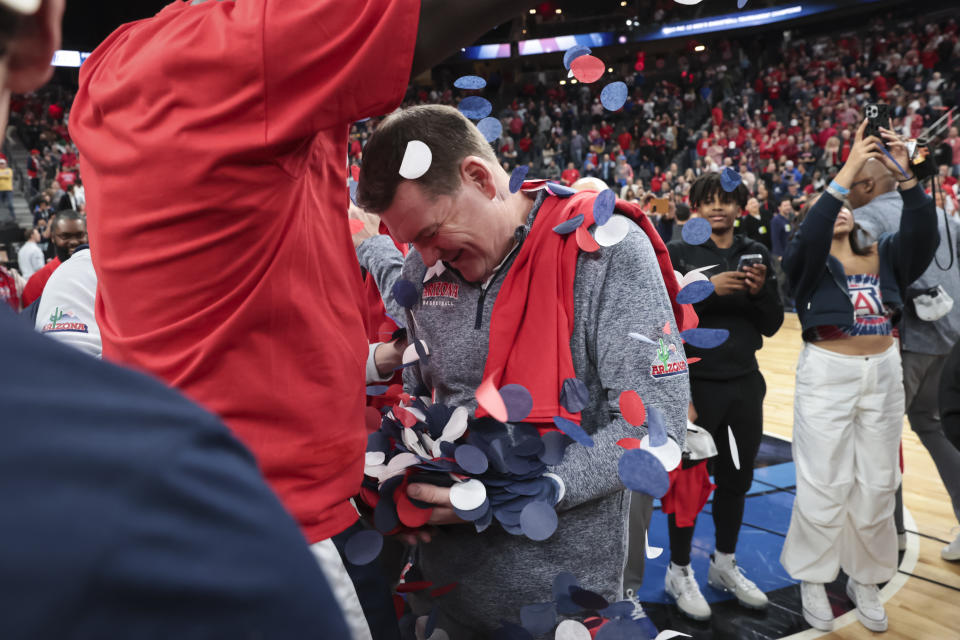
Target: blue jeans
6, 200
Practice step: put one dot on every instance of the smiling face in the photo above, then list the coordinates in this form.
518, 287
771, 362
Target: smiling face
844, 223
720, 215
470, 230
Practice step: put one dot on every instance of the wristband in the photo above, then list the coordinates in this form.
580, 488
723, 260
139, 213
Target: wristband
836, 187
836, 194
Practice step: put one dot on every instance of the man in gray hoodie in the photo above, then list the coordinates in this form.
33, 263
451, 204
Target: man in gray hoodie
467, 227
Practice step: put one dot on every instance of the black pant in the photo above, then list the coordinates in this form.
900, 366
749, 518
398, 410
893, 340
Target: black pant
739, 404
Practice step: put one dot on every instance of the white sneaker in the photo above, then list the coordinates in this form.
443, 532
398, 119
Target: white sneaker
870, 611
681, 585
816, 607
639, 616
725, 575
951, 552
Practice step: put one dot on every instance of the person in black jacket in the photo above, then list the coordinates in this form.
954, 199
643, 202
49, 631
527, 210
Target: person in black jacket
727, 388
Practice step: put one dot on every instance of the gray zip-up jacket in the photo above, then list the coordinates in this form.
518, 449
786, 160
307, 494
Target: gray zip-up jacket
618, 290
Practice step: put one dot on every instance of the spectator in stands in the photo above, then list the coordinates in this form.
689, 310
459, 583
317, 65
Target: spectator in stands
780, 228
6, 188
68, 230
849, 393
726, 387
69, 199
953, 141
755, 224
30, 255
570, 174
928, 330
34, 170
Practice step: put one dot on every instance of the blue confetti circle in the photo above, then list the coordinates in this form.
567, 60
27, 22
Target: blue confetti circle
573, 53
518, 176
641, 471
538, 520
614, 96
573, 430
603, 207
696, 291
696, 231
569, 226
705, 338
363, 547
490, 128
730, 180
517, 400
470, 83
475, 107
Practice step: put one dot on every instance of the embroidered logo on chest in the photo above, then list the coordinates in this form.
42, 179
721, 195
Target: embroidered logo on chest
440, 294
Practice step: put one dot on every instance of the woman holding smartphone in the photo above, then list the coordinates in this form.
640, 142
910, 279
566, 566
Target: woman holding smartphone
727, 390
848, 408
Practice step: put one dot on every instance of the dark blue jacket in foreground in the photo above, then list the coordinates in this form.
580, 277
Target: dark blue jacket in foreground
818, 280
126, 511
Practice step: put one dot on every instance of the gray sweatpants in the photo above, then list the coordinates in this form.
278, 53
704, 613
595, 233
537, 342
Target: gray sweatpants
641, 510
921, 384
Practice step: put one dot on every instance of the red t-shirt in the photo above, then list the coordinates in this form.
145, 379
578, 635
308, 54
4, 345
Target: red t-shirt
222, 128
569, 176
35, 285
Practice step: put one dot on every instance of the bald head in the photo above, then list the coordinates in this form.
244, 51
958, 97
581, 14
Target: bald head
873, 180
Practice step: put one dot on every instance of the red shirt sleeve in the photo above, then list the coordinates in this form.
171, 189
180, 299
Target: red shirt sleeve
328, 62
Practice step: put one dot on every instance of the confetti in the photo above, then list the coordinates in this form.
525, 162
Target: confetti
356, 226
518, 176
555, 443
431, 623
629, 443
572, 630
603, 206
569, 226
657, 428
588, 68
696, 291
539, 618
573, 430
444, 590
363, 547
405, 293
730, 180
413, 587
416, 160
652, 552
631, 408
586, 241
615, 230
517, 400
412, 353
474, 514
696, 231
491, 401
410, 514
475, 107
468, 495
573, 53
470, 83
666, 327
696, 274
614, 96
640, 471
491, 128
705, 338
510, 631
538, 520
574, 395
471, 459
669, 634
740, 5
734, 453
456, 426
618, 630
377, 389
642, 338
588, 599
559, 190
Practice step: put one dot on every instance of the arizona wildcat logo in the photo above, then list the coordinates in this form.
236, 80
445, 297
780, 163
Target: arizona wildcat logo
440, 294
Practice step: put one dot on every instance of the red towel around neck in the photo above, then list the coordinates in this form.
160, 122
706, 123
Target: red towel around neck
532, 319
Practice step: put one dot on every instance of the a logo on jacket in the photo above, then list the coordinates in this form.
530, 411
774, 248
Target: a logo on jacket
668, 363
440, 294
64, 321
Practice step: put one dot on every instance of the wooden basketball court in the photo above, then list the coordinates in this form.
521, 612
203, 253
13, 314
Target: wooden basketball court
927, 604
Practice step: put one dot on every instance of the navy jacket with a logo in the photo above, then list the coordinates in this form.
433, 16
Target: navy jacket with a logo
818, 280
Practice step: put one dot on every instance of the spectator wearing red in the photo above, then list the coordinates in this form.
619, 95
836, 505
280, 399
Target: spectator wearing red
570, 174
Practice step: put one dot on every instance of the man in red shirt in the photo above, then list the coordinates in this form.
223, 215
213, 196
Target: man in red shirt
67, 232
570, 174
214, 136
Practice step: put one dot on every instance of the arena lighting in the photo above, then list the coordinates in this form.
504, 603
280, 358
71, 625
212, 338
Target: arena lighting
699, 48
73, 59
733, 21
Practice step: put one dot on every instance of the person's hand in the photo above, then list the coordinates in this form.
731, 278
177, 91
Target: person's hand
862, 150
443, 512
756, 277
729, 282
898, 149
388, 356
371, 224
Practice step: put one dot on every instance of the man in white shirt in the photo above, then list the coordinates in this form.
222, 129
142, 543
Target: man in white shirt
30, 256
66, 311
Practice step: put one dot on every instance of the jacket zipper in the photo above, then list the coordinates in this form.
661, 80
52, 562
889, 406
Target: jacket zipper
486, 287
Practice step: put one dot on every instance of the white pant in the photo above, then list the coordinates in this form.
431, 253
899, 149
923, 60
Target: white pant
848, 417
342, 587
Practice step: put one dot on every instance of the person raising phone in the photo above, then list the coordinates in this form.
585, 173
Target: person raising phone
727, 387
849, 403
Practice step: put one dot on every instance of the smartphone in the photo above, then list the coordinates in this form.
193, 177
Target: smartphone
878, 115
748, 260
